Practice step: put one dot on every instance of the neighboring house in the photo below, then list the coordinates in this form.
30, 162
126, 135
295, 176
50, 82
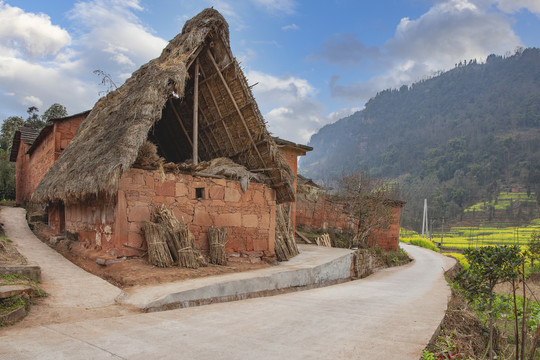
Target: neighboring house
22, 141
99, 191
35, 152
319, 211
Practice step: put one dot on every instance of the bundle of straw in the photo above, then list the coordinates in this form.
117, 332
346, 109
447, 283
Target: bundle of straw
217, 241
324, 240
188, 256
158, 251
171, 240
285, 245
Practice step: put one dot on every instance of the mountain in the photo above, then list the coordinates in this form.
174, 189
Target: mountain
456, 138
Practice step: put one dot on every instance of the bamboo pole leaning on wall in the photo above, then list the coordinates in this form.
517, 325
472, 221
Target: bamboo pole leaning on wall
217, 240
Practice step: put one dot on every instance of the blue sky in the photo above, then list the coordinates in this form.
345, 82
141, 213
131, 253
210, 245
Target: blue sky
314, 61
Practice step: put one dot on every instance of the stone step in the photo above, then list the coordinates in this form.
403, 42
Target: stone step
11, 290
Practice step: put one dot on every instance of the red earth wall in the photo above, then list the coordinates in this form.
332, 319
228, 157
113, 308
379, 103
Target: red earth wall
315, 211
388, 239
31, 168
249, 217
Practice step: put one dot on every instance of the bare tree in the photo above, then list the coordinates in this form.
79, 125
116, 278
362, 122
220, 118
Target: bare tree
369, 201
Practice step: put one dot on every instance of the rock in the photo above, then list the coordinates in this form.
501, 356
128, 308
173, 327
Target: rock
105, 262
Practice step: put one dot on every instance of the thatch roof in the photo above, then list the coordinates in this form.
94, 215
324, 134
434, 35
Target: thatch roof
156, 103
25, 134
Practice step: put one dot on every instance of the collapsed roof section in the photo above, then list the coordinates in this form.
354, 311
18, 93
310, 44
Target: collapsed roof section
157, 103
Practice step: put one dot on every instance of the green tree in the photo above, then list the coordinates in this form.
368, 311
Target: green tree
488, 266
534, 247
55, 111
9, 127
7, 176
34, 120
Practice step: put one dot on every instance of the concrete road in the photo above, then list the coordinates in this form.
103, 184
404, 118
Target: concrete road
389, 315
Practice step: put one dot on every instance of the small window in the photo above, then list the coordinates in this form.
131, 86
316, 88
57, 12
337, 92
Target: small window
199, 193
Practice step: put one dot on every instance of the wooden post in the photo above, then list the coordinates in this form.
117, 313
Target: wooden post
196, 114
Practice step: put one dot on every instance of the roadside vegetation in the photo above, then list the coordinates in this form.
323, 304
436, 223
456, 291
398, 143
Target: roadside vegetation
494, 302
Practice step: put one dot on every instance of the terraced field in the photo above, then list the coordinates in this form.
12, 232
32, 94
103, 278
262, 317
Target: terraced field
482, 235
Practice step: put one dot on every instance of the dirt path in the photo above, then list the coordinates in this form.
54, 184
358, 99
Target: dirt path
390, 315
73, 294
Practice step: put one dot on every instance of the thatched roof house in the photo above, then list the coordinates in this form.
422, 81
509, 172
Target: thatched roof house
157, 103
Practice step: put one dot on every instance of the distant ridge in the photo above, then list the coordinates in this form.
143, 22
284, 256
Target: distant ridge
456, 138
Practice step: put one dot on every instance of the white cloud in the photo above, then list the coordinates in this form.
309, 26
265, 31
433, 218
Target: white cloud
290, 106
513, 6
32, 101
448, 32
115, 40
28, 34
41, 63
290, 27
278, 6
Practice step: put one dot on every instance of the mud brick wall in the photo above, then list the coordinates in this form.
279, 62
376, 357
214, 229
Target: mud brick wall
249, 217
64, 131
30, 168
315, 211
22, 192
388, 239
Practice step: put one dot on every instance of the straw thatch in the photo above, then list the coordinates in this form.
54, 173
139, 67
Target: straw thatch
156, 103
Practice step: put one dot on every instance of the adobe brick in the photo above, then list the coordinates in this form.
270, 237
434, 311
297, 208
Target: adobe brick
216, 193
139, 213
250, 221
202, 218
230, 220
181, 189
166, 188
232, 195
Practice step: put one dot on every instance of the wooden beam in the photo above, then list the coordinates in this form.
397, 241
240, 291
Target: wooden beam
303, 237
219, 115
214, 151
196, 115
241, 152
235, 105
211, 76
180, 122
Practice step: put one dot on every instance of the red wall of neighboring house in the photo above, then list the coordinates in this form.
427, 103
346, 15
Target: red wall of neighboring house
22, 176
388, 239
315, 211
30, 168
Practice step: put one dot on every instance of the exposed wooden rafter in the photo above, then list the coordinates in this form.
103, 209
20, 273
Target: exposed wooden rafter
235, 105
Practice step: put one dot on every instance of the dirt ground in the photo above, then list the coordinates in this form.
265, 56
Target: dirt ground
532, 290
137, 271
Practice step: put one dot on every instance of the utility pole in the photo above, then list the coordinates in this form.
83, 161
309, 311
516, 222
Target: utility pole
425, 222
442, 232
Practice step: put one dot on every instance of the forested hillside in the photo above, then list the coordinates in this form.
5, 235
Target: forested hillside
457, 138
